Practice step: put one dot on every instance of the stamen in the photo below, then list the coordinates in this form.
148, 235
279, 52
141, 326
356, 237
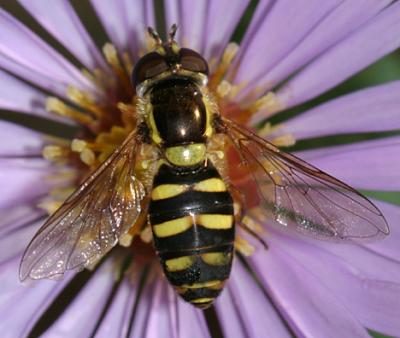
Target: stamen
253, 225
54, 152
128, 114
268, 103
78, 145
226, 60
128, 64
243, 246
284, 141
84, 100
111, 55
87, 156
224, 89
146, 235
126, 240
55, 105
50, 205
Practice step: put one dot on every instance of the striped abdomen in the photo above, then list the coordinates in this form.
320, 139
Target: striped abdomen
193, 229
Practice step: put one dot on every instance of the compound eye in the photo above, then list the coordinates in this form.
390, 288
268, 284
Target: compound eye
148, 66
193, 61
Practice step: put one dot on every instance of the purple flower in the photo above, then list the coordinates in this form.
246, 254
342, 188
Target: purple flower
292, 52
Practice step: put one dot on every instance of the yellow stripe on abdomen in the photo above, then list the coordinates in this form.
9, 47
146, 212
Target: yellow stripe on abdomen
173, 227
180, 263
216, 258
215, 221
210, 185
165, 191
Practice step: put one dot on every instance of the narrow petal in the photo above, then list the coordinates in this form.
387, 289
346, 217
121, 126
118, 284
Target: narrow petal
313, 310
378, 37
191, 18
334, 27
65, 25
125, 22
117, 321
200, 26
18, 216
217, 32
79, 319
350, 273
370, 110
138, 16
145, 307
191, 322
16, 140
159, 323
15, 242
16, 320
246, 296
370, 165
18, 96
276, 37
229, 316
29, 57
389, 247
22, 181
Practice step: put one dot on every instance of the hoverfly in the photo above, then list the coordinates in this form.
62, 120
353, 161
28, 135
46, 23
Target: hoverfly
189, 202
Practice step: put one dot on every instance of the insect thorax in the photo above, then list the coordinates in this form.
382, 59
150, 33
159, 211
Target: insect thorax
179, 121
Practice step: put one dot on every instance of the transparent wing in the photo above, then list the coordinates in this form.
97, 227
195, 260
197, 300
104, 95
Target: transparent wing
299, 196
90, 221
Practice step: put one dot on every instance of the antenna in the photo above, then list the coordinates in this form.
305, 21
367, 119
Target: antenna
172, 32
156, 36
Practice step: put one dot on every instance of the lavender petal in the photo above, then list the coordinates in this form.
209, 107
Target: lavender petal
374, 39
29, 57
369, 110
17, 320
117, 320
159, 323
23, 181
16, 140
200, 26
65, 25
79, 319
389, 247
314, 310
373, 165
276, 37
217, 32
244, 297
18, 216
191, 18
350, 273
14, 242
125, 22
340, 22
